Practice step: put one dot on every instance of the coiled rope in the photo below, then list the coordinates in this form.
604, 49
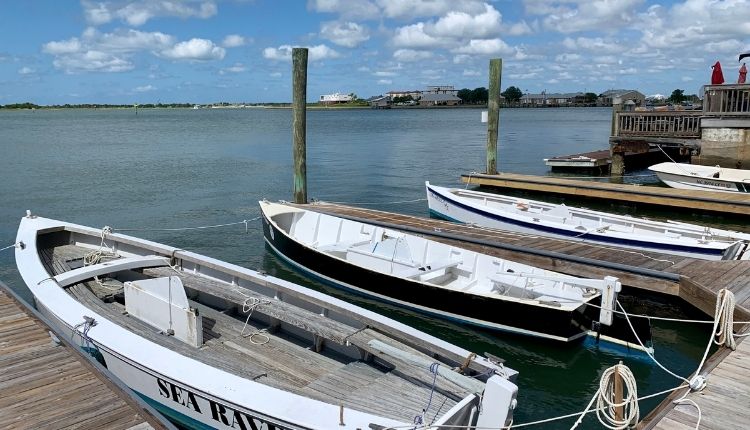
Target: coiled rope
606, 405
248, 306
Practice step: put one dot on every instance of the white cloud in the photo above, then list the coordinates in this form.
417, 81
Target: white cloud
233, 41
144, 88
462, 24
569, 16
194, 50
595, 45
348, 9
687, 79
385, 81
382, 73
348, 34
485, 47
62, 47
410, 9
568, 58
414, 36
137, 13
236, 68
315, 53
472, 73
411, 55
275, 75
26, 70
92, 61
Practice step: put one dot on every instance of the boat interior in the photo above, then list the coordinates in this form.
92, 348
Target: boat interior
269, 336
422, 260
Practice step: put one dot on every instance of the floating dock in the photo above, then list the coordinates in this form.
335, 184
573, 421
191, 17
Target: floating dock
49, 385
705, 201
587, 160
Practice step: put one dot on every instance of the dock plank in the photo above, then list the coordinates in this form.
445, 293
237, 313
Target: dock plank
46, 385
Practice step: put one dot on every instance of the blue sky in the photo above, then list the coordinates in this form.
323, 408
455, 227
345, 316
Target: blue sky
203, 51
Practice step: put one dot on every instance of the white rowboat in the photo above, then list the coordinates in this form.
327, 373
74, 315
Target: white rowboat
215, 345
707, 178
561, 221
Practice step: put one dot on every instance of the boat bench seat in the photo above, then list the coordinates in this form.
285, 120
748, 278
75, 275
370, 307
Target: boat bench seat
341, 246
309, 321
423, 270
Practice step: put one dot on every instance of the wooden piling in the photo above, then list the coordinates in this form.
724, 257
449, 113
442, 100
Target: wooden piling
299, 123
493, 114
620, 409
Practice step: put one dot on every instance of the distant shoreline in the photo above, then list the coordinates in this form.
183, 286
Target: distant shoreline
278, 106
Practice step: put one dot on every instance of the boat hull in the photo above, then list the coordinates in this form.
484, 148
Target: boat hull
481, 311
686, 182
446, 206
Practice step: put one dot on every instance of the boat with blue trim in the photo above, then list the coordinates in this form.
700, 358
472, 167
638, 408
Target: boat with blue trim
567, 222
707, 178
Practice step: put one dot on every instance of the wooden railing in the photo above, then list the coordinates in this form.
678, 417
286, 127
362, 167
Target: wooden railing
680, 124
727, 100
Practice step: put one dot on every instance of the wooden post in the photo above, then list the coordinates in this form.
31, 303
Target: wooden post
299, 123
619, 410
493, 114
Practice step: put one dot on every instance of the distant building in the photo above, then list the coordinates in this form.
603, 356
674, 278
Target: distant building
380, 102
415, 94
335, 98
441, 99
441, 89
619, 97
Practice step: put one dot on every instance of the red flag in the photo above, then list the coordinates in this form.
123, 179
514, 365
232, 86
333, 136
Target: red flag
743, 74
717, 77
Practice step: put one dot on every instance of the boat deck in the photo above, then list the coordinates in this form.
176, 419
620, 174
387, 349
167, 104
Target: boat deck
387, 387
694, 280
46, 385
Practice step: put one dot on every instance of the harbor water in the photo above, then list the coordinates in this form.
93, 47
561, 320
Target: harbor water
174, 168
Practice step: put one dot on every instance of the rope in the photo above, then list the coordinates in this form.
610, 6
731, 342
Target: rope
87, 323
248, 306
669, 319
15, 245
724, 314
370, 203
419, 419
606, 408
245, 221
676, 163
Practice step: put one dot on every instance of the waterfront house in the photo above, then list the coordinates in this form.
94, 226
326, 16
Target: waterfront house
441, 89
380, 102
414, 94
619, 97
335, 98
431, 99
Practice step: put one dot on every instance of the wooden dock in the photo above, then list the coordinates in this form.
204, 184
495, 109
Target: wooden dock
50, 385
695, 281
587, 160
737, 204
723, 402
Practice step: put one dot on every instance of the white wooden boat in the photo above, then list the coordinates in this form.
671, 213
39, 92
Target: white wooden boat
708, 178
184, 332
440, 279
559, 220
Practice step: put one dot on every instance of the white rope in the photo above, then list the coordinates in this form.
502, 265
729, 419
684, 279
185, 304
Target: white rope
650, 317
245, 221
15, 245
371, 203
104, 252
676, 163
248, 306
724, 314
606, 408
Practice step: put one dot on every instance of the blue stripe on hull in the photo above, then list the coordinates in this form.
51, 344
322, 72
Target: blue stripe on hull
566, 233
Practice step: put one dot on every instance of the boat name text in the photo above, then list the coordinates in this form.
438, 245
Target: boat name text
220, 413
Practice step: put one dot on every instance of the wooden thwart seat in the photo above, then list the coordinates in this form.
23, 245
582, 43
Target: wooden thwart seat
309, 321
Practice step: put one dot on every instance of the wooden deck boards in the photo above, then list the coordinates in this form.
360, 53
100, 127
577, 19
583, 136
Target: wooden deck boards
733, 203
45, 385
723, 402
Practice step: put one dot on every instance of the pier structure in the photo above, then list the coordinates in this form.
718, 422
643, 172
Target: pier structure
719, 133
46, 382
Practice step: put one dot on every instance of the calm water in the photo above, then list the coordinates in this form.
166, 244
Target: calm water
179, 168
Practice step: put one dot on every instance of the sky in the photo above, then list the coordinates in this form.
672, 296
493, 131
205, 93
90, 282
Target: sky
206, 51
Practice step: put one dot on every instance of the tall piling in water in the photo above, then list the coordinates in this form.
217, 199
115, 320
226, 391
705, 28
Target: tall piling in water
493, 114
299, 123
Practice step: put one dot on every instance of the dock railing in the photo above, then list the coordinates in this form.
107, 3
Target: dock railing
679, 124
726, 100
